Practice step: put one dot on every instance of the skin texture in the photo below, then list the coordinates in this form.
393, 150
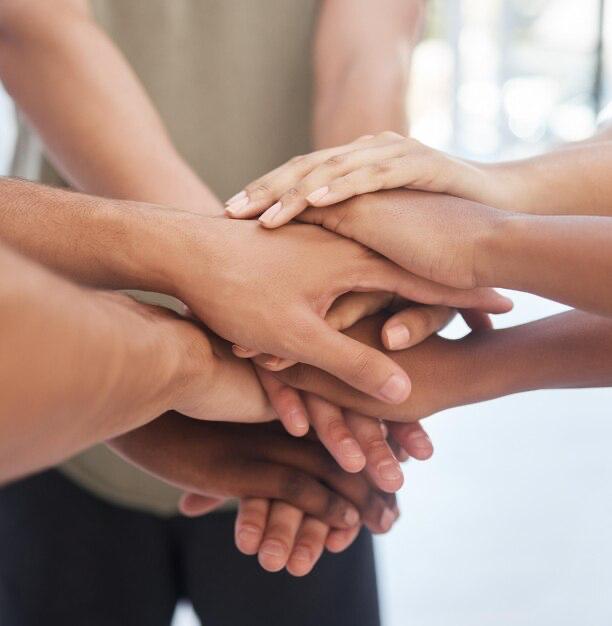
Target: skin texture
569, 350
570, 180
67, 57
465, 244
229, 460
78, 366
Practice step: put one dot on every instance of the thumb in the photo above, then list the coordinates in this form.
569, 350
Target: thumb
194, 504
357, 364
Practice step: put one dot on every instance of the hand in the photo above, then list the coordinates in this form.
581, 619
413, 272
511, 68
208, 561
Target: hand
434, 236
271, 291
280, 534
352, 439
208, 382
439, 367
229, 460
371, 163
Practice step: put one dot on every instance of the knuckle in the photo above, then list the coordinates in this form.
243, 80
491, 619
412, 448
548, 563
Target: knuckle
380, 168
362, 364
296, 159
291, 194
293, 486
335, 427
258, 188
375, 445
335, 160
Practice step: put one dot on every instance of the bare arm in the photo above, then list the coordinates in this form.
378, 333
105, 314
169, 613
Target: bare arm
97, 123
466, 244
78, 366
362, 56
569, 350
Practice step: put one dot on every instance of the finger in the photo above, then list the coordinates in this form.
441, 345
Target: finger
476, 320
259, 195
357, 364
302, 490
286, 402
346, 311
279, 536
242, 352
413, 439
382, 466
316, 184
273, 363
310, 458
194, 504
379, 274
308, 546
414, 324
334, 434
351, 307
340, 540
250, 524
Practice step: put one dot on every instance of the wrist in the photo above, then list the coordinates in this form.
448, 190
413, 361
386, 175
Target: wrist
149, 360
509, 185
500, 251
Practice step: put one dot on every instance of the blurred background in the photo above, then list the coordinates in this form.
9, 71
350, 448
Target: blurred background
511, 522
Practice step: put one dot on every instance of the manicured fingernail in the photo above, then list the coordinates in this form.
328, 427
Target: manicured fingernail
237, 208
351, 448
398, 337
387, 519
236, 196
301, 554
273, 548
317, 194
389, 470
351, 517
299, 420
420, 440
396, 389
267, 218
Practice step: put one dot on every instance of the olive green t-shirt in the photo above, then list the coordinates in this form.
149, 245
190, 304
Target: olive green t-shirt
232, 82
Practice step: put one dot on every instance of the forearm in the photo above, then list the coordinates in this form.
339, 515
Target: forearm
95, 241
572, 180
77, 366
362, 56
565, 258
89, 108
569, 350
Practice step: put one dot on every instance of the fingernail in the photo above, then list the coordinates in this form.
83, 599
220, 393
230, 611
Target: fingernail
273, 548
268, 217
398, 337
396, 389
387, 519
299, 420
238, 207
420, 440
236, 196
273, 361
247, 534
351, 517
301, 554
389, 470
351, 448
317, 194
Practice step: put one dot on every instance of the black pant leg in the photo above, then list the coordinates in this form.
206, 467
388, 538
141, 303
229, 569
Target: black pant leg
68, 558
228, 588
